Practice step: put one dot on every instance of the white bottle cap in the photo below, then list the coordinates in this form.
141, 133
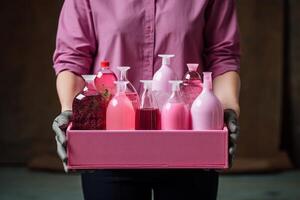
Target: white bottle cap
166, 58
147, 84
175, 85
207, 80
192, 66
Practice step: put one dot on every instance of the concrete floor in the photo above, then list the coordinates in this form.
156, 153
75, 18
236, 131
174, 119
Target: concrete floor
20, 183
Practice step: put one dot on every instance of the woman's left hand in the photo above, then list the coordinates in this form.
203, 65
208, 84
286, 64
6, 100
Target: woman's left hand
231, 121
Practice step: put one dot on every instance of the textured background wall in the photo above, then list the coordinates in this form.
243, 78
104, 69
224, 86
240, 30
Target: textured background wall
293, 81
29, 102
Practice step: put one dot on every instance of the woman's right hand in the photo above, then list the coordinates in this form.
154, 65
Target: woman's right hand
59, 126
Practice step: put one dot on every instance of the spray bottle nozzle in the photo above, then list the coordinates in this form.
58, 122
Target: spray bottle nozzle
207, 80
166, 58
192, 66
175, 85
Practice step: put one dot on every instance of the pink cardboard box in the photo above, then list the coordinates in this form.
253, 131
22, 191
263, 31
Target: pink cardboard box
141, 149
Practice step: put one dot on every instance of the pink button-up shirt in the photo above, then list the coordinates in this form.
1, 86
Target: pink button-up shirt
134, 32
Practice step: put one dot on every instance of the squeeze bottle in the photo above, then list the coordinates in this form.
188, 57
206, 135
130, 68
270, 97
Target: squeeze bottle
207, 112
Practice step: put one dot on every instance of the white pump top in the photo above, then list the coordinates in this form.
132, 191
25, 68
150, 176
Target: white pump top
147, 84
166, 58
121, 86
192, 66
207, 80
175, 85
123, 71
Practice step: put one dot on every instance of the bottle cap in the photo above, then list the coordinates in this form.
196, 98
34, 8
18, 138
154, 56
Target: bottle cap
175, 85
192, 66
166, 58
104, 64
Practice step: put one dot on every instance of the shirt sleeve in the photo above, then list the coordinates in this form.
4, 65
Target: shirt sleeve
222, 41
75, 40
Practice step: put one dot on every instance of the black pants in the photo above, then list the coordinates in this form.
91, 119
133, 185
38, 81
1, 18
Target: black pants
138, 185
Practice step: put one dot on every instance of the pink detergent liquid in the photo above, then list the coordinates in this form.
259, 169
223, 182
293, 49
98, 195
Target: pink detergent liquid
175, 116
149, 119
120, 114
104, 81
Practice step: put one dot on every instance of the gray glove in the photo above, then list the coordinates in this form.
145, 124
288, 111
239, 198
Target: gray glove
60, 125
231, 120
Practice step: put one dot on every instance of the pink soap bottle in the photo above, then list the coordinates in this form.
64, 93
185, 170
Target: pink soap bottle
120, 114
175, 113
105, 79
207, 112
130, 90
192, 84
89, 107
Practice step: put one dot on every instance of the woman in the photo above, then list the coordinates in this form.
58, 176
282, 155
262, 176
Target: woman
134, 32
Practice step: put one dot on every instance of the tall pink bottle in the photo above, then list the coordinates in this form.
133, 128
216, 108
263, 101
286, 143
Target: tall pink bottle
120, 114
104, 81
207, 112
175, 113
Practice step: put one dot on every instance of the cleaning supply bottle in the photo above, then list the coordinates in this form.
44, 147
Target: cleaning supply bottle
161, 86
175, 114
148, 113
130, 90
120, 114
89, 107
207, 112
105, 79
192, 84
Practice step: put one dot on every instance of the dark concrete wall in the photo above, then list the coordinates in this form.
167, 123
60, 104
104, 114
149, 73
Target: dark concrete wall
28, 102
293, 83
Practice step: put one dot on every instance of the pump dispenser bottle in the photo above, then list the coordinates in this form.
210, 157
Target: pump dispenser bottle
148, 113
161, 78
175, 114
207, 112
131, 92
120, 113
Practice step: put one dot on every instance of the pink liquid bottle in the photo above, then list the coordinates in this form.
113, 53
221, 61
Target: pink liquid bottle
105, 79
130, 90
175, 113
148, 113
192, 84
89, 107
120, 114
207, 112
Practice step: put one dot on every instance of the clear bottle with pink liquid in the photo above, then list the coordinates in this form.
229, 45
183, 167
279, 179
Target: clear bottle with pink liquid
104, 81
207, 112
130, 90
89, 107
192, 84
175, 113
120, 114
